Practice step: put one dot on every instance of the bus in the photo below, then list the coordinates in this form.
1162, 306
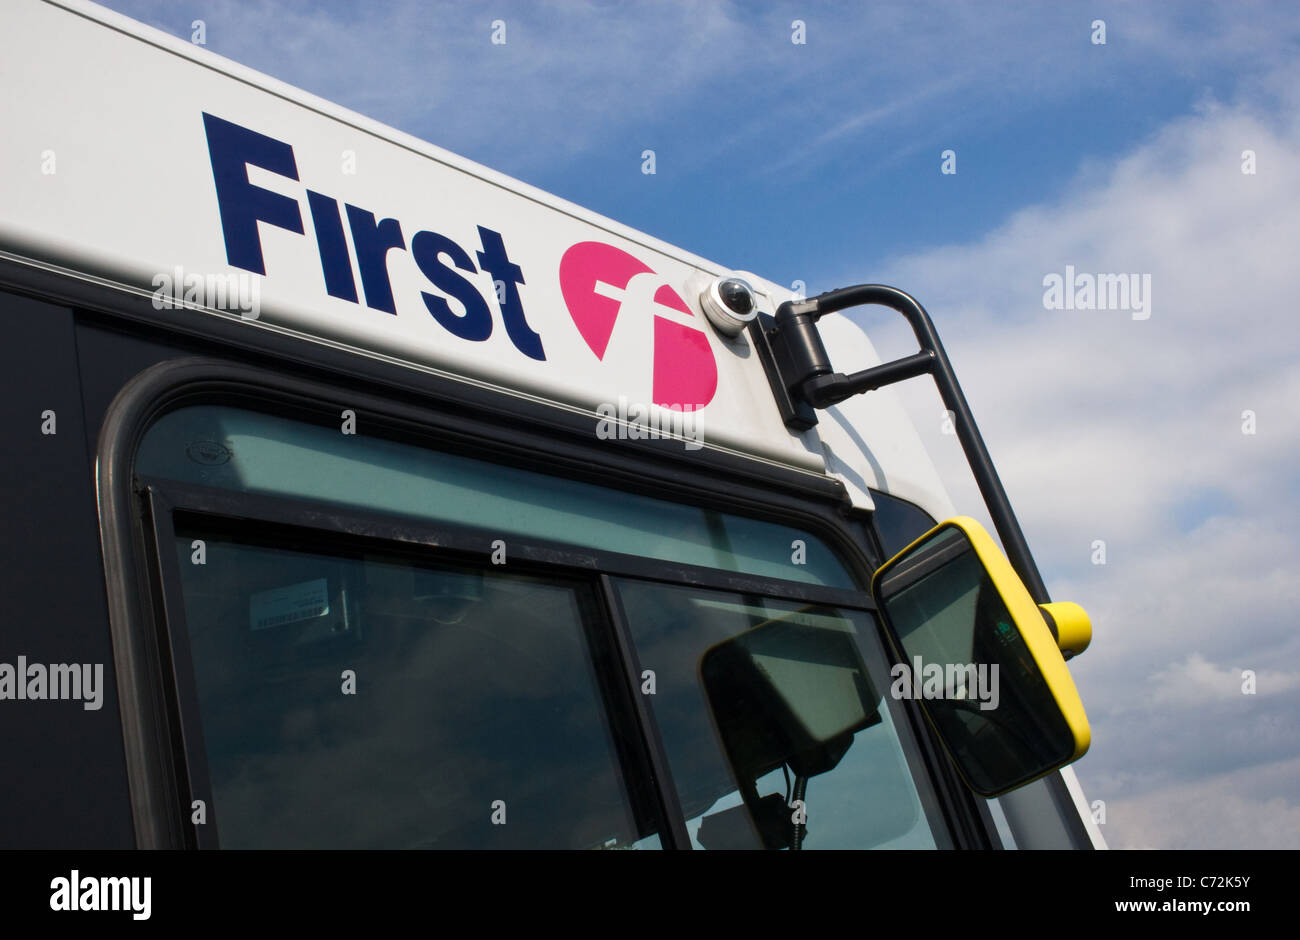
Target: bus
359, 496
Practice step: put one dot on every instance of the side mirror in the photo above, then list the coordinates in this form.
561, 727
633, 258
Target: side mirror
978, 654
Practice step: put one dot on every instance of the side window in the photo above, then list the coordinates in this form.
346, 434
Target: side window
360, 698
898, 523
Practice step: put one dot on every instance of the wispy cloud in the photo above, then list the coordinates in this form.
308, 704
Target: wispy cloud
566, 75
1197, 681
1130, 432
1222, 811
714, 80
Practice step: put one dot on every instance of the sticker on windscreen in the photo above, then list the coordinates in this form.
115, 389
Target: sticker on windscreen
293, 604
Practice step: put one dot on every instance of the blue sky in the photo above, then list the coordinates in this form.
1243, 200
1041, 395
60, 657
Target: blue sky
821, 162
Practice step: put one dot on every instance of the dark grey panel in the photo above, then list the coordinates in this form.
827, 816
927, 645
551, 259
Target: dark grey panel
64, 779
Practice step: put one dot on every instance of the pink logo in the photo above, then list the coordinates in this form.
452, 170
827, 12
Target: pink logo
684, 372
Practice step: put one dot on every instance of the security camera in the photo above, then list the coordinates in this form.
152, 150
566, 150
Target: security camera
730, 303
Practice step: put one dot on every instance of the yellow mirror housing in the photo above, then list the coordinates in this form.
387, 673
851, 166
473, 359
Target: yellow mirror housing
1070, 623
952, 601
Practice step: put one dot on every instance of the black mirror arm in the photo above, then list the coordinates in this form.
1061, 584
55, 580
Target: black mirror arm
812, 380
822, 391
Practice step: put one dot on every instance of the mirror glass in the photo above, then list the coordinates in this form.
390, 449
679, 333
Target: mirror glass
965, 660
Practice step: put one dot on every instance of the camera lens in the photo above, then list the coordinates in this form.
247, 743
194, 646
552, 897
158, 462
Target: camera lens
737, 296
730, 303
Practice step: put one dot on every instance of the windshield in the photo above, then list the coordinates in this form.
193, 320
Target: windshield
762, 703
344, 687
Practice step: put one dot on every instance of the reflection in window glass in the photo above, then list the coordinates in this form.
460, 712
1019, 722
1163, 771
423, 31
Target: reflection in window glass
357, 700
251, 452
761, 703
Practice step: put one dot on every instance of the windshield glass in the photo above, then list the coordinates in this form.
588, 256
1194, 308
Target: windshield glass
776, 723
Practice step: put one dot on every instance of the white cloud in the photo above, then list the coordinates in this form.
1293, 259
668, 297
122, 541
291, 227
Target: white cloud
1196, 681
1130, 431
1228, 811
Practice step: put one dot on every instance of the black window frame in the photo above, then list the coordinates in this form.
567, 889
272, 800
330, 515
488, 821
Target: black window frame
129, 508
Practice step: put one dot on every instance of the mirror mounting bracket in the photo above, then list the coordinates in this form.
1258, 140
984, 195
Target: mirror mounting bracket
799, 372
